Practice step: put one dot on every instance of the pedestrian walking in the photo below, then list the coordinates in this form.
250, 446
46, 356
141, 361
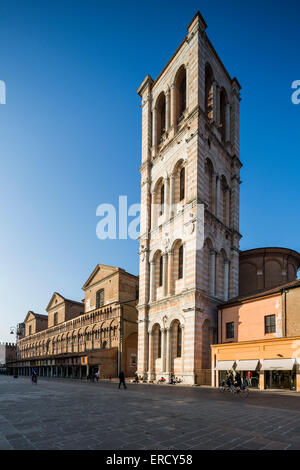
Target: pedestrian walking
97, 376
122, 379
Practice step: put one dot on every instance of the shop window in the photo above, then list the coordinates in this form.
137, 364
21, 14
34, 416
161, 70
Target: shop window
270, 324
230, 330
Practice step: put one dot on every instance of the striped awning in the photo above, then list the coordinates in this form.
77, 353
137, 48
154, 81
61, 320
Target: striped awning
247, 365
278, 364
224, 365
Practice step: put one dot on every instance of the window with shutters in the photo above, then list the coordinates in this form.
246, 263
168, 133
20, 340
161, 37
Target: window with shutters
230, 330
270, 324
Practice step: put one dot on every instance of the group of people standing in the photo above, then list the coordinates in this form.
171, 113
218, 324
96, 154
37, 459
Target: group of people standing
234, 378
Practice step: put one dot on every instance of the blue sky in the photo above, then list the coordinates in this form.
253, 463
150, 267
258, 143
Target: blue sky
70, 132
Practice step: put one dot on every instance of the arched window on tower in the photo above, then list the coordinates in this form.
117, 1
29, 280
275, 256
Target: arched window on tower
161, 116
159, 343
223, 105
180, 262
160, 271
179, 340
209, 92
182, 184
162, 199
180, 91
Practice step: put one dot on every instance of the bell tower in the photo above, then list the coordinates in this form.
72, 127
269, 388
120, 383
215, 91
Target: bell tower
189, 240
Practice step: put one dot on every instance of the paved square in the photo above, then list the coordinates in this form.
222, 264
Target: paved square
69, 414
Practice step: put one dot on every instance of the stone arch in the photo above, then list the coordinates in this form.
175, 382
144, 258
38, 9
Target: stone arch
248, 281
209, 184
176, 346
222, 273
223, 109
273, 273
160, 106
180, 85
224, 200
130, 348
179, 181
208, 267
209, 92
207, 340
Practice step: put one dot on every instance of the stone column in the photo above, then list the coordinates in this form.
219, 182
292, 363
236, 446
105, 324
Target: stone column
171, 197
152, 281
261, 379
182, 348
297, 378
173, 107
153, 210
163, 354
168, 109
167, 201
214, 193
215, 101
168, 352
185, 266
226, 280
165, 286
227, 207
217, 205
212, 273
227, 137
154, 127
150, 360
170, 272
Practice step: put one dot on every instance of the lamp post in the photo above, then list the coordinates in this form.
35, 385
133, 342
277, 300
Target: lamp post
16, 330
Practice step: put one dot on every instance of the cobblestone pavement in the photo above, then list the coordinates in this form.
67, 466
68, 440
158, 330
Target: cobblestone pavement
69, 414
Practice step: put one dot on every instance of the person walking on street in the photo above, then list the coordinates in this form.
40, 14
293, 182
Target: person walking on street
238, 380
97, 376
122, 379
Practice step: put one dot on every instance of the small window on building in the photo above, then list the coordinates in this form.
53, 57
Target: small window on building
30, 330
55, 321
230, 330
100, 298
270, 324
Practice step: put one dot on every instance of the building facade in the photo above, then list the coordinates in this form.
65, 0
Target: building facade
78, 338
260, 334
264, 268
8, 354
189, 240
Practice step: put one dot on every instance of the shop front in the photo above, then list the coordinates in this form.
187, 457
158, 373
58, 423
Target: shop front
222, 368
266, 364
279, 374
249, 371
